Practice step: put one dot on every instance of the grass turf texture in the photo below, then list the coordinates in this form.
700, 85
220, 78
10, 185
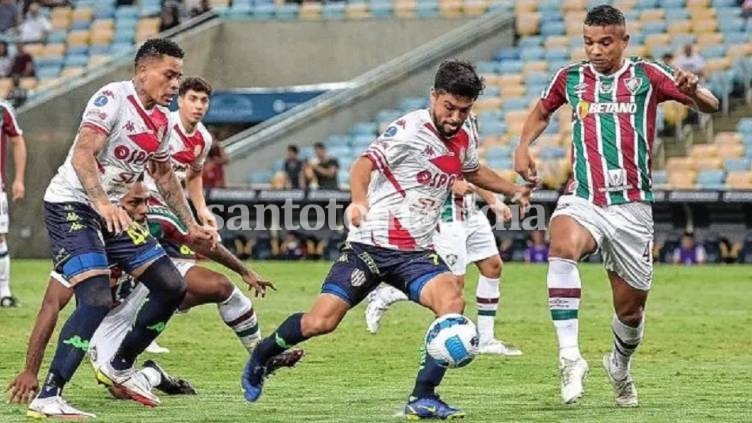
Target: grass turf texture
695, 363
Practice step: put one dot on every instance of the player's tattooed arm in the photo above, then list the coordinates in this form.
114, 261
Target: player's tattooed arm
171, 191
90, 142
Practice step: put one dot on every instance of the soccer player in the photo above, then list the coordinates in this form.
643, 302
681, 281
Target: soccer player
202, 287
606, 202
124, 127
10, 131
394, 213
464, 236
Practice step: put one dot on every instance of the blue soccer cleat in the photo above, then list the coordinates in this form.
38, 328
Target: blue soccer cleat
431, 408
252, 380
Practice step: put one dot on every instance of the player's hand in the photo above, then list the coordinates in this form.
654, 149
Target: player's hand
19, 190
686, 82
522, 197
502, 211
356, 213
207, 218
204, 235
461, 187
257, 283
524, 164
23, 388
116, 219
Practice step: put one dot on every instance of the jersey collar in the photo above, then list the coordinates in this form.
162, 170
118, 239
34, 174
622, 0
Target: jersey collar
625, 64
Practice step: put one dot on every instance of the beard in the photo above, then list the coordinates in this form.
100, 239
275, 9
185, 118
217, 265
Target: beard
440, 127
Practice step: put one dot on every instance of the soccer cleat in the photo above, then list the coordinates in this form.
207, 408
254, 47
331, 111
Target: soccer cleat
625, 392
55, 407
8, 302
155, 348
495, 346
374, 312
252, 380
170, 385
284, 359
127, 383
573, 374
431, 408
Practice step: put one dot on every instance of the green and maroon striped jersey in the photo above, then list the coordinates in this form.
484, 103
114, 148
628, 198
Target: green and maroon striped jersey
613, 126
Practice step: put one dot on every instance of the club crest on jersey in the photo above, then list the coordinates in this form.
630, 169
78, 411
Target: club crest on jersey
607, 87
633, 84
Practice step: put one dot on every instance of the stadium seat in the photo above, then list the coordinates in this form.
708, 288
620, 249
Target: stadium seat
711, 179
682, 179
404, 8
660, 178
474, 7
527, 23
737, 165
529, 41
739, 180
744, 126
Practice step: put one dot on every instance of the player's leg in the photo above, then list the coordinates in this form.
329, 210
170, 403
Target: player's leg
348, 282
6, 297
80, 257
573, 234
378, 302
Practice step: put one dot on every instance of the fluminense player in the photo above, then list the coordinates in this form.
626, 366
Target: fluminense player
124, 127
129, 295
606, 205
397, 188
9, 132
464, 236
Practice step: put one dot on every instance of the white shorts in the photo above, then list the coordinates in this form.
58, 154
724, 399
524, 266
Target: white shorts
3, 213
462, 243
623, 232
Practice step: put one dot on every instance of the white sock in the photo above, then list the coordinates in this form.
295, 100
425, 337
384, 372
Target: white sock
487, 299
626, 341
237, 313
152, 376
387, 295
4, 270
564, 291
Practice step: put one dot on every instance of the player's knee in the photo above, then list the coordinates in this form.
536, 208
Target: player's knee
630, 316
223, 288
162, 276
565, 251
94, 292
452, 304
313, 325
491, 267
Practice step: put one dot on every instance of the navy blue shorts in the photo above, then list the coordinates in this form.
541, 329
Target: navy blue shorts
82, 247
360, 268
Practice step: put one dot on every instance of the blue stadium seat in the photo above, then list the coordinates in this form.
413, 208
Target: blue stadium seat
510, 66
499, 152
345, 163
388, 115
117, 48
737, 165
413, 103
337, 140
530, 41
728, 12
744, 126
549, 6
654, 27
729, 24
556, 64
553, 28
660, 177
126, 11
724, 3
125, 23
99, 49
124, 37
492, 128
52, 61
537, 78
500, 164
286, 12
57, 37
490, 115
368, 128
671, 4
262, 12
78, 50
680, 40
714, 51
333, 11
381, 9
733, 38
278, 165
74, 60
711, 179
517, 103
104, 12
491, 91
677, 14
646, 4
48, 72
556, 54
343, 177
342, 151
486, 67
509, 53
427, 9
260, 176
549, 16
553, 153
360, 142
532, 53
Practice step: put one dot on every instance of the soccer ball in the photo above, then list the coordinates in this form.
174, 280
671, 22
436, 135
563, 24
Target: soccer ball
452, 340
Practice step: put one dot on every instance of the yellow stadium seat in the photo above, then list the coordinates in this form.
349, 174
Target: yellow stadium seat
102, 36
60, 22
575, 15
71, 72
679, 163
730, 151
577, 55
521, 7
727, 138
513, 90
510, 79
219, 3
34, 49
534, 66
144, 35
450, 8
514, 120
556, 41
574, 5
28, 83
53, 50
717, 64
148, 24
708, 163
527, 23
674, 112
701, 151
636, 50
704, 26
82, 14
679, 27
683, 179
486, 104
76, 38
739, 180
103, 24
709, 39
475, 7
634, 27
625, 5
656, 40
61, 11
357, 11
652, 15
98, 59
6, 84
490, 78
404, 8
697, 4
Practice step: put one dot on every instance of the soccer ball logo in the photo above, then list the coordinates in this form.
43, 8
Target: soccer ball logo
452, 340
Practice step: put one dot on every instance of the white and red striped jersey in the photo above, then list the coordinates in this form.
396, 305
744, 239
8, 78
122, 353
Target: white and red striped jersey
415, 169
8, 129
613, 126
187, 150
134, 137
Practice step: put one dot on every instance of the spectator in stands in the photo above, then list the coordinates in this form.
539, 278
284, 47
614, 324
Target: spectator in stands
169, 17
689, 252
199, 8
8, 15
322, 169
537, 249
292, 248
35, 26
747, 9
18, 94
214, 172
506, 249
690, 60
23, 63
5, 60
294, 168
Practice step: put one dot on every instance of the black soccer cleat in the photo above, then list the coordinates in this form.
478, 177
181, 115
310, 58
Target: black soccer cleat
285, 359
171, 385
8, 302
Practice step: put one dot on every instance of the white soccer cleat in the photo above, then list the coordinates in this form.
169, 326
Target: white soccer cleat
573, 374
625, 392
155, 348
127, 383
374, 312
56, 408
495, 346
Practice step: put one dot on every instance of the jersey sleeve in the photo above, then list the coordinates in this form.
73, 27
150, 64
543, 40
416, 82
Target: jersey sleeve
555, 94
102, 111
198, 164
386, 150
163, 151
472, 160
662, 79
10, 125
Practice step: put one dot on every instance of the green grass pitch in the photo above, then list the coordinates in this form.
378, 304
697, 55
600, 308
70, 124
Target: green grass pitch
695, 363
